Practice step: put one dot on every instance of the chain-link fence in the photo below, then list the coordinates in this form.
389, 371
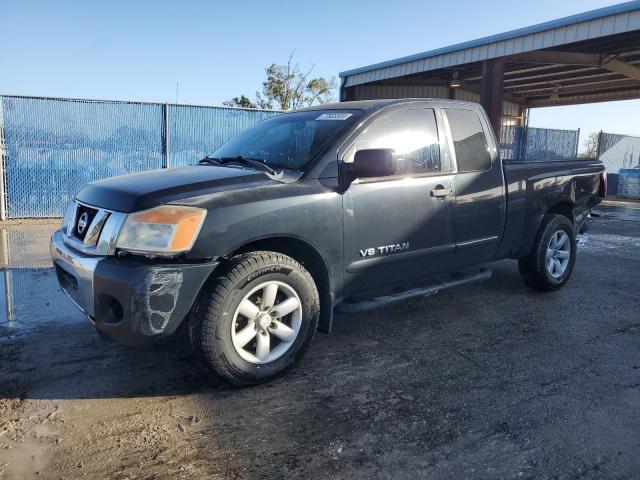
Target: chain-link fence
195, 131
530, 143
51, 147
54, 146
617, 152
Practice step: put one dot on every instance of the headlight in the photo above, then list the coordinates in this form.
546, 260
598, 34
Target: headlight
166, 230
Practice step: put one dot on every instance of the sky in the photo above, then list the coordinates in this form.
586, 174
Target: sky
215, 50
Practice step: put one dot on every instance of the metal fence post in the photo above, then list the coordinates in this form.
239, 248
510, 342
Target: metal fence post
521, 132
3, 185
8, 292
165, 135
3, 176
524, 136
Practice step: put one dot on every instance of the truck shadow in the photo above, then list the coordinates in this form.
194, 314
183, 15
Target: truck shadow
64, 358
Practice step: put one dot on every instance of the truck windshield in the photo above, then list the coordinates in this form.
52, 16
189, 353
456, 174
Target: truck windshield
290, 140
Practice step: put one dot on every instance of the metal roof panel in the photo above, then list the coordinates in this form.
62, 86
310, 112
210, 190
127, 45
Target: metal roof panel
603, 21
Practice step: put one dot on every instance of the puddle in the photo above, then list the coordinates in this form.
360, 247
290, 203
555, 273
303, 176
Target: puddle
628, 213
30, 296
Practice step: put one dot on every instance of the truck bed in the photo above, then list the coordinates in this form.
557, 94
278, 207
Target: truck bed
532, 186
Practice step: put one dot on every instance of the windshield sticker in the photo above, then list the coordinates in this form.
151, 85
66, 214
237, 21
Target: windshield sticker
334, 116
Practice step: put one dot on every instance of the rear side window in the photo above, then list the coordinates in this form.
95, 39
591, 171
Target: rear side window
469, 140
412, 134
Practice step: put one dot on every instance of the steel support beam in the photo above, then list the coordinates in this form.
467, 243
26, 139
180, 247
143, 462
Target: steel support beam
623, 68
546, 74
586, 87
586, 98
577, 58
565, 81
491, 92
552, 56
507, 97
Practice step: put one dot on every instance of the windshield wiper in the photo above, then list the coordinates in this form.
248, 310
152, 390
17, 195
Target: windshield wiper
252, 162
210, 161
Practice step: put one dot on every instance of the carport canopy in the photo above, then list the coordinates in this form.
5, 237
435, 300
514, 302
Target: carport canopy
589, 57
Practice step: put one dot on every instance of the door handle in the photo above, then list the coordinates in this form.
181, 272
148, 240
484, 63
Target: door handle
441, 191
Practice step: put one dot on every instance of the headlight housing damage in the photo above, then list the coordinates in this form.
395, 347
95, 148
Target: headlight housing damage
165, 230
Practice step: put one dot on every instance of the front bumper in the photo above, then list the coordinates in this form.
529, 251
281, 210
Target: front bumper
130, 299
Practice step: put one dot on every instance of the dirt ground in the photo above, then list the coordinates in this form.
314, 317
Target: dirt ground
487, 381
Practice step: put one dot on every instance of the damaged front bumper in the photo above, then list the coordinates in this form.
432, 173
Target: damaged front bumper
130, 299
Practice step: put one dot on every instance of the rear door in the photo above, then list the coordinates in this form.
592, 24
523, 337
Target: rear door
400, 227
479, 186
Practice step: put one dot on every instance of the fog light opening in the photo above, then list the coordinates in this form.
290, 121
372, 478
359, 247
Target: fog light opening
116, 308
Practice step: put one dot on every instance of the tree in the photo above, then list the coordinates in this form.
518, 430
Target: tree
287, 88
241, 101
590, 146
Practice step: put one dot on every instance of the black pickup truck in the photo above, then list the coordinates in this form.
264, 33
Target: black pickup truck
351, 205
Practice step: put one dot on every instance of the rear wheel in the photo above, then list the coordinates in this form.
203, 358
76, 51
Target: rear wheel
550, 263
256, 321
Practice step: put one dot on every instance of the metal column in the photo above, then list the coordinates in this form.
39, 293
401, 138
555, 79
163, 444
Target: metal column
165, 136
3, 174
491, 92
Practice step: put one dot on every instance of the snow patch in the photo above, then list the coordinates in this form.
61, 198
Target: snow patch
607, 243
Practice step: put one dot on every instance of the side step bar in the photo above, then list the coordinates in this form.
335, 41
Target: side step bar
453, 280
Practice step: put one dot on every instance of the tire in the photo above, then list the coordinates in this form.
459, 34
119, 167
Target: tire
534, 267
218, 319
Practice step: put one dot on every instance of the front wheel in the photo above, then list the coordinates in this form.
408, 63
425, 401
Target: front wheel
550, 263
255, 321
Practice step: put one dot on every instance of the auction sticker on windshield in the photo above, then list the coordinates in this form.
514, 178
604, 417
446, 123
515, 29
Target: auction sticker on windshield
334, 116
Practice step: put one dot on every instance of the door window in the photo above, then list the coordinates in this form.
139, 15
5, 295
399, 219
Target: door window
469, 140
412, 134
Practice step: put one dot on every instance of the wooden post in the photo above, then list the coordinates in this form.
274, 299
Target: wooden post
491, 92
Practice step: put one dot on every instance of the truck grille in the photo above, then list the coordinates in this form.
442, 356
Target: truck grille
84, 225
91, 230
84, 218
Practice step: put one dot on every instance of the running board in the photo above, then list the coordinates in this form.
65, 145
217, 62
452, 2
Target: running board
457, 280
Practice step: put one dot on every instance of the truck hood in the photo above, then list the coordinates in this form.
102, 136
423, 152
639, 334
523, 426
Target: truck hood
139, 191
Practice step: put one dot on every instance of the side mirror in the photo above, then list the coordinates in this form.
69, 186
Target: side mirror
374, 162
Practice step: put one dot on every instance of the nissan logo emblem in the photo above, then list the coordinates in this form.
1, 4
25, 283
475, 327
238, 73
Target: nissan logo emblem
83, 221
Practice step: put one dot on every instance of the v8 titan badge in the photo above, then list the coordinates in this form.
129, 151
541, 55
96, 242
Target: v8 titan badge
384, 249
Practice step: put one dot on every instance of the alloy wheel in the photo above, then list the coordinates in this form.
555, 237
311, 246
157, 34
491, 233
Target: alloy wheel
266, 322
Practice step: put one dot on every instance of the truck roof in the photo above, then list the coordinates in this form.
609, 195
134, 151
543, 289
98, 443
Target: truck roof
377, 103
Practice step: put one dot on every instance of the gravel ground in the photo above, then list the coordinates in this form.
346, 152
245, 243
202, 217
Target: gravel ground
486, 381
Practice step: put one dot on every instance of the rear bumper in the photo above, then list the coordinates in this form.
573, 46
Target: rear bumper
130, 299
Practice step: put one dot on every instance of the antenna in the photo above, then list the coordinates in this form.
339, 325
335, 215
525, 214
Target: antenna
177, 90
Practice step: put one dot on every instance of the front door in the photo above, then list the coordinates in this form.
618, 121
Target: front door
399, 228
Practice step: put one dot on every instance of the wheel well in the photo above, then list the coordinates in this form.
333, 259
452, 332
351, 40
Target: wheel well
563, 208
310, 258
